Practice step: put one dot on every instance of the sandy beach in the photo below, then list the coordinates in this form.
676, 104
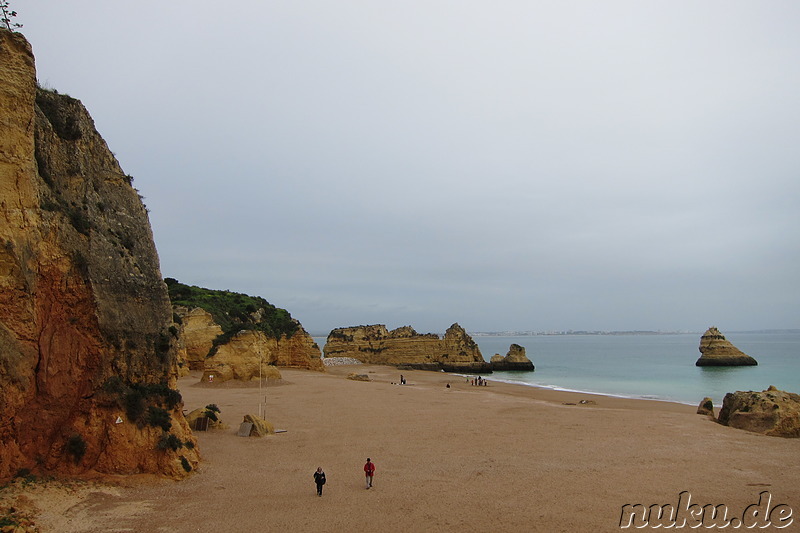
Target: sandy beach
497, 458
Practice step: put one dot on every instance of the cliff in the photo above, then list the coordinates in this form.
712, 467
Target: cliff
716, 350
241, 357
87, 362
515, 359
228, 334
455, 352
196, 333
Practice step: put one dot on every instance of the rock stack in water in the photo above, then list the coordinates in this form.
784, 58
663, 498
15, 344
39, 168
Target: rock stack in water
716, 350
515, 359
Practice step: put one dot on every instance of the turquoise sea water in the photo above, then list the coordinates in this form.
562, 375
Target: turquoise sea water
657, 367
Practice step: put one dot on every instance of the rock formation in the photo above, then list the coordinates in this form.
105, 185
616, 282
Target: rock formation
87, 361
259, 426
235, 334
210, 413
716, 350
241, 357
248, 347
771, 412
706, 407
404, 347
515, 359
196, 333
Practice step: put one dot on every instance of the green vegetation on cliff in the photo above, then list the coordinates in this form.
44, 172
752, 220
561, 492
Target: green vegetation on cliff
234, 311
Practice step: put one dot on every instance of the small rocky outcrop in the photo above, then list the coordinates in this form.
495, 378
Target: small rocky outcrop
771, 412
260, 427
706, 407
87, 356
210, 413
515, 359
455, 352
716, 350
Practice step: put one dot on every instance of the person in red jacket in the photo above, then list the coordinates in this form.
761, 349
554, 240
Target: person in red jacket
369, 470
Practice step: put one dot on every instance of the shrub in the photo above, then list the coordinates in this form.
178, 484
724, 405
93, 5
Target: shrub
76, 447
233, 311
113, 385
79, 221
211, 412
169, 441
156, 416
134, 404
145, 402
9, 520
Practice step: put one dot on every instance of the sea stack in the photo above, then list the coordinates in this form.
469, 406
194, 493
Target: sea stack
515, 359
716, 350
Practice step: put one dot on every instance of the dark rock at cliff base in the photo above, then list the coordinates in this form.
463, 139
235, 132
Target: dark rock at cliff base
515, 359
716, 350
771, 412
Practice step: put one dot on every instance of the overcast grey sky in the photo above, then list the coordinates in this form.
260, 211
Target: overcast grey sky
508, 165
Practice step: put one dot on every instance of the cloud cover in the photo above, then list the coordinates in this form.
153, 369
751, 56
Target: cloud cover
511, 165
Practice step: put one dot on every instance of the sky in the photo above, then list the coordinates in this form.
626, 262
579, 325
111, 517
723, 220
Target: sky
508, 165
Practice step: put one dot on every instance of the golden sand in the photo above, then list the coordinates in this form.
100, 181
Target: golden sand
497, 458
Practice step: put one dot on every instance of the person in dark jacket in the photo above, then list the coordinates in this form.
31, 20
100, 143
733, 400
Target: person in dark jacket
319, 479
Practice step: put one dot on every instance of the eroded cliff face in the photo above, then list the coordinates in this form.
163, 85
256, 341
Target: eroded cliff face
455, 352
241, 355
248, 350
84, 314
197, 331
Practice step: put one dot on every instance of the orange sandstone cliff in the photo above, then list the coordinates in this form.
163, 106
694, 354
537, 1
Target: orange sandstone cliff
87, 360
230, 335
455, 352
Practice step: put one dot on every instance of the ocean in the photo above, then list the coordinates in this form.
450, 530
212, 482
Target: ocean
657, 367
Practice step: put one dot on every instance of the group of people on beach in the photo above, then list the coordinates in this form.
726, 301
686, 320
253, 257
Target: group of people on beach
479, 381
369, 472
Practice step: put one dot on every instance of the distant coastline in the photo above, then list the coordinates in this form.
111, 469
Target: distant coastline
574, 332
601, 332
630, 332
